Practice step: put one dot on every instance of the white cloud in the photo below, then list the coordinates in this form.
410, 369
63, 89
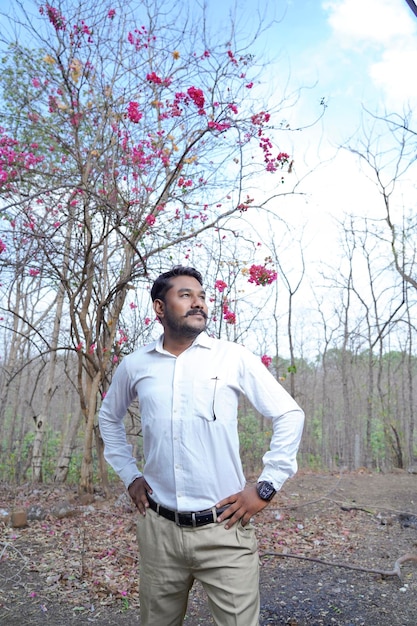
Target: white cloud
370, 21
385, 33
393, 74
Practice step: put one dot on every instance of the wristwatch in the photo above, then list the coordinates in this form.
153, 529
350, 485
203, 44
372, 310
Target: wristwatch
265, 490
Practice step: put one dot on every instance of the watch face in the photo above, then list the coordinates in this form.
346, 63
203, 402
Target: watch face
265, 490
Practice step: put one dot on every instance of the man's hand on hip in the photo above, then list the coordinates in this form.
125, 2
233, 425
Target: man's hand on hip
138, 492
241, 506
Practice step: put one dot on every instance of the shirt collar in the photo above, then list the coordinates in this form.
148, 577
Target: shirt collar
202, 340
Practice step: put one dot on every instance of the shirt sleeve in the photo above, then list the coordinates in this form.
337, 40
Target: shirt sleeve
274, 402
117, 451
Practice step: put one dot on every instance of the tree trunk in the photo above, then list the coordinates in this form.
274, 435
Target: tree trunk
67, 447
86, 478
42, 418
41, 422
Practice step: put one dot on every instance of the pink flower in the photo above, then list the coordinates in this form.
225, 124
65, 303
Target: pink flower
123, 338
249, 86
115, 358
154, 78
220, 126
266, 360
220, 285
260, 275
36, 82
232, 57
133, 305
111, 14
157, 80
260, 118
133, 112
150, 219
92, 348
228, 315
2, 246
79, 347
34, 272
55, 17
184, 183
233, 108
147, 321
197, 96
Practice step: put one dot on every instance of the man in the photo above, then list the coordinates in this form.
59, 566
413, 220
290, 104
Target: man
192, 494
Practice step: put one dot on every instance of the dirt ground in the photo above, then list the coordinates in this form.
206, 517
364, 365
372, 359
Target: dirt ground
82, 568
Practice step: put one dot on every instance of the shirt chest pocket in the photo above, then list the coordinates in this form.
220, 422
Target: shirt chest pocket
213, 399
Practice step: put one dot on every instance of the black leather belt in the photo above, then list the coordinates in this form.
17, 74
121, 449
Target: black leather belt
194, 519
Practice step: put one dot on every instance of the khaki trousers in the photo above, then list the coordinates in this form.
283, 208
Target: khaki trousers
172, 557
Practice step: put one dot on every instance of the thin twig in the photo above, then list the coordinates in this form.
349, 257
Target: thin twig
409, 556
24, 559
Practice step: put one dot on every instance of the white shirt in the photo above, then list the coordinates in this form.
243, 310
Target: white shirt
188, 407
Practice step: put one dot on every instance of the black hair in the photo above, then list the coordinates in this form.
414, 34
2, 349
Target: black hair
163, 283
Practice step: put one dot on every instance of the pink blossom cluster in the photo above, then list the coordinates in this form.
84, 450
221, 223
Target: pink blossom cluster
220, 285
228, 315
83, 29
55, 17
133, 112
197, 96
266, 360
182, 182
260, 275
220, 126
152, 77
232, 57
123, 338
2, 246
12, 157
139, 38
243, 206
193, 94
273, 163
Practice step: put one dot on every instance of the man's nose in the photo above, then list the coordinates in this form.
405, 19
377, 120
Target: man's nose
197, 303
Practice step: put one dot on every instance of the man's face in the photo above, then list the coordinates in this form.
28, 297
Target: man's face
184, 311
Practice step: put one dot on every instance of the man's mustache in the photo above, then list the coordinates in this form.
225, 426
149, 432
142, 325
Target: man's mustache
197, 312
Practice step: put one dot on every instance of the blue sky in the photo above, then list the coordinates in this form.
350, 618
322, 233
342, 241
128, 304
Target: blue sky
355, 54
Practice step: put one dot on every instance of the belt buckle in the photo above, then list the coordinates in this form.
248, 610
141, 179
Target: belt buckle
193, 519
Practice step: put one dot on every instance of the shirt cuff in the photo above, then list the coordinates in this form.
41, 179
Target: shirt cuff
277, 480
129, 473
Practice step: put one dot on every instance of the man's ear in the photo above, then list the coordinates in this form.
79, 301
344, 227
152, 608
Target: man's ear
158, 307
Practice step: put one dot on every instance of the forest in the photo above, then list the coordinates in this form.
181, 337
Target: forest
132, 138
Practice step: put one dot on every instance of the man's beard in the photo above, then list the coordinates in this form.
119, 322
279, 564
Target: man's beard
179, 327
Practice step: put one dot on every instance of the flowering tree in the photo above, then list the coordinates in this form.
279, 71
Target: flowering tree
126, 136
